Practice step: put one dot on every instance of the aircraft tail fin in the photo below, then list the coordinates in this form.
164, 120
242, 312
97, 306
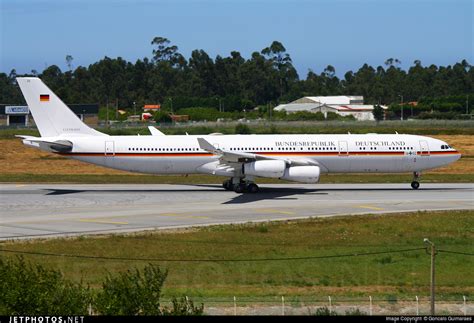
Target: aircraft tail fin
51, 115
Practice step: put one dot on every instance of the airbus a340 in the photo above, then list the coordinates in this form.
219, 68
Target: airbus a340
241, 158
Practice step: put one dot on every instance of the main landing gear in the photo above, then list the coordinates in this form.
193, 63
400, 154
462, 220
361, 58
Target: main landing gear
240, 187
415, 184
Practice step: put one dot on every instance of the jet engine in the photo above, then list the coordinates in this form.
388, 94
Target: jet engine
303, 174
265, 168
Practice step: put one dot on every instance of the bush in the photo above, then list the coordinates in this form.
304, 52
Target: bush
305, 116
162, 117
439, 115
356, 312
324, 311
392, 299
201, 114
132, 292
27, 289
242, 129
183, 307
139, 293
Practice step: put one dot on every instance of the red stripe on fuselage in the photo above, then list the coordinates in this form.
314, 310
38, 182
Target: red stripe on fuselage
289, 153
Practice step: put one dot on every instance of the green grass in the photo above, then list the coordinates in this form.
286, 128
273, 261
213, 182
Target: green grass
210, 179
401, 274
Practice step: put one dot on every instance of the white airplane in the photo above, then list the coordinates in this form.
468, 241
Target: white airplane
241, 158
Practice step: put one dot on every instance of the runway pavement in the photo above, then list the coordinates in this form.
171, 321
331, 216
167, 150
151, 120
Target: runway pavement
45, 210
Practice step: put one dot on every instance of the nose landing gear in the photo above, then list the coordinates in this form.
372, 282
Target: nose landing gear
415, 184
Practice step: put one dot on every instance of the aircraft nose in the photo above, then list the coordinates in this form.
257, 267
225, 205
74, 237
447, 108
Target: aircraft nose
457, 156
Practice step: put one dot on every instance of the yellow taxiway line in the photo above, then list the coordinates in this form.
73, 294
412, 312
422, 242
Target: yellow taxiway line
102, 221
370, 207
274, 211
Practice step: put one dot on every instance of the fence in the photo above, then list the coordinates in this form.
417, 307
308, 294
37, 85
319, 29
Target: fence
281, 305
287, 124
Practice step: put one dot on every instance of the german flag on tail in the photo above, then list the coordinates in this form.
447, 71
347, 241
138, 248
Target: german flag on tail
44, 97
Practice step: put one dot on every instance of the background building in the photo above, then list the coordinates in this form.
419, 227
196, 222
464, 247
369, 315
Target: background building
343, 105
19, 115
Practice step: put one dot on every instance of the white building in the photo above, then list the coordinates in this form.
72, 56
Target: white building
343, 105
340, 99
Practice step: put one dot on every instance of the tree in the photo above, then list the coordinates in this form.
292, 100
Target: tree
282, 62
69, 60
378, 113
165, 53
392, 61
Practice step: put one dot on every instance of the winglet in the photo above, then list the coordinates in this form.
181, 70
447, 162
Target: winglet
155, 132
205, 145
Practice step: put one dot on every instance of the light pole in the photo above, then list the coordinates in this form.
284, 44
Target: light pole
401, 96
432, 289
134, 109
467, 104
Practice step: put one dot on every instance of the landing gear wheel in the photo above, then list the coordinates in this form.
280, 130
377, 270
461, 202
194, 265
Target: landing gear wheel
239, 188
227, 185
415, 185
252, 188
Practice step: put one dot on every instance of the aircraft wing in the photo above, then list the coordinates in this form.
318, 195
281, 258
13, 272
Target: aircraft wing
227, 156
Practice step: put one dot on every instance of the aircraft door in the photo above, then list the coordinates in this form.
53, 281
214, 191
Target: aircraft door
343, 149
424, 148
109, 149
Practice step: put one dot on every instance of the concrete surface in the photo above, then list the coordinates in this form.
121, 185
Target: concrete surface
43, 210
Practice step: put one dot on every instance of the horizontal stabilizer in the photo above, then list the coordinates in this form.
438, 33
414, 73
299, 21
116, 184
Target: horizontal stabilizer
53, 146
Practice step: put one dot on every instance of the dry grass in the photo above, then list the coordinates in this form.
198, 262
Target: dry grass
18, 159
465, 145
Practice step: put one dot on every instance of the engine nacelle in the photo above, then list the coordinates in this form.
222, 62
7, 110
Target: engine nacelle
265, 168
303, 174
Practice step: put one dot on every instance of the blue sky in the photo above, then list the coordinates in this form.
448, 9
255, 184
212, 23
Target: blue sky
343, 33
